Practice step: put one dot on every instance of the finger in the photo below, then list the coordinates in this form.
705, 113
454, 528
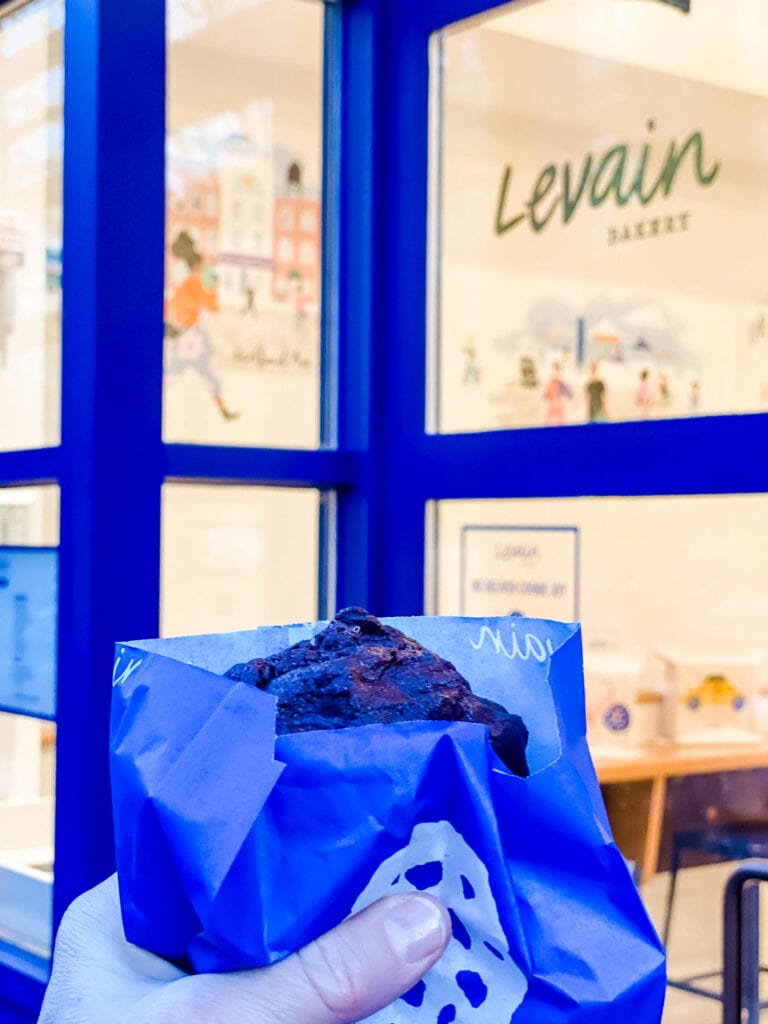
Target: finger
359, 967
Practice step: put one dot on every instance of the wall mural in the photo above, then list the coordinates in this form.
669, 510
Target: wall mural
607, 360
242, 270
243, 225
613, 265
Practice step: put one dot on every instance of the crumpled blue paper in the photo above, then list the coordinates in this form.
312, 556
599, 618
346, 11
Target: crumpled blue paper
236, 847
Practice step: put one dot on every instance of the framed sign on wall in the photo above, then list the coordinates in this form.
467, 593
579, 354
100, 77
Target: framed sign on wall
520, 570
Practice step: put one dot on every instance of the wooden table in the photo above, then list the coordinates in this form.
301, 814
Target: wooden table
638, 834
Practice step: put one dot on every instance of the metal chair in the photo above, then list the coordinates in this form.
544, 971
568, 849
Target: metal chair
723, 842
741, 943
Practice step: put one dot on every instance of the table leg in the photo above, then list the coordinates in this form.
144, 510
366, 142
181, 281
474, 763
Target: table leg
653, 830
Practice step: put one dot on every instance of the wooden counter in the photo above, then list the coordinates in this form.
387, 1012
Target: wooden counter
650, 771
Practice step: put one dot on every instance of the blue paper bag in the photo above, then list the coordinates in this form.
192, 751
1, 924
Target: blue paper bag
236, 847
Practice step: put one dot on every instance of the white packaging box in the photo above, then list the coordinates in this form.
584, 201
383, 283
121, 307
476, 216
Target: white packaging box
624, 703
710, 696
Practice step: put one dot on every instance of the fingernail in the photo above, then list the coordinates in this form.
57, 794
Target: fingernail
415, 928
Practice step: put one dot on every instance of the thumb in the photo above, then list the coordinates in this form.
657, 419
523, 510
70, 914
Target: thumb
359, 967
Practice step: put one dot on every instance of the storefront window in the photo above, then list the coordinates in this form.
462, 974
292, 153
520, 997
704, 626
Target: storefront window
31, 96
600, 186
237, 557
243, 223
670, 591
28, 538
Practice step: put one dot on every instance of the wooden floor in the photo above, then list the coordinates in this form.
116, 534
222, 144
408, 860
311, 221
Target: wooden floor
696, 936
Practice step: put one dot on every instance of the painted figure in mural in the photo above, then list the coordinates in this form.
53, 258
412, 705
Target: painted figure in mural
643, 395
665, 395
595, 395
694, 398
471, 373
191, 346
299, 297
555, 394
527, 369
249, 309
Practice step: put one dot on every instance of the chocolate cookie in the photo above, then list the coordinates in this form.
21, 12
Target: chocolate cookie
358, 671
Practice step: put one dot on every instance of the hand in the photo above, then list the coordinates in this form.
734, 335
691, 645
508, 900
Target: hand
359, 967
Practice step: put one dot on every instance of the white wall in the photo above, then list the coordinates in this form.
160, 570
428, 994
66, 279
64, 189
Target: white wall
237, 558
679, 572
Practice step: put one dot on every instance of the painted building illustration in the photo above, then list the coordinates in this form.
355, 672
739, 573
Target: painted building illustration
297, 250
261, 244
245, 257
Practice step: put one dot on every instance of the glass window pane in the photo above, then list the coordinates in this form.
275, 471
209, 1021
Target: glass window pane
691, 607
31, 95
29, 517
237, 557
27, 773
600, 205
243, 223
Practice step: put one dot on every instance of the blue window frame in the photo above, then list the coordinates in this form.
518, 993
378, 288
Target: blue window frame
709, 455
377, 467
